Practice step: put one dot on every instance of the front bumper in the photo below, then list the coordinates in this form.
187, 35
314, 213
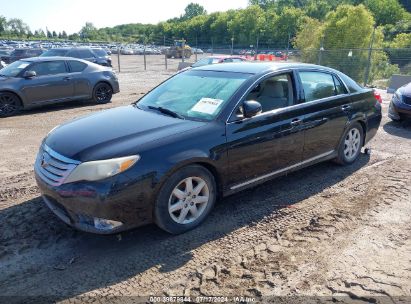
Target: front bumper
83, 204
398, 110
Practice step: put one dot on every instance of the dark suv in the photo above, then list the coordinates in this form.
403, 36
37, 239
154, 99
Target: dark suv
95, 55
18, 54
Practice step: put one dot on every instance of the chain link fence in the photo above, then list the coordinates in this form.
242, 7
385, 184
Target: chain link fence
366, 65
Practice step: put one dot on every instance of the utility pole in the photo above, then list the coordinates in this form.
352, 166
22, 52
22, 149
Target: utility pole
367, 69
196, 47
256, 46
183, 45
212, 46
288, 46
320, 52
232, 45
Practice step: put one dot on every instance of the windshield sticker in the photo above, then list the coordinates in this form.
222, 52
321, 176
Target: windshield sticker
22, 66
207, 105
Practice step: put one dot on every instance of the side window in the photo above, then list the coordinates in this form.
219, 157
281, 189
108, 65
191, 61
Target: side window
77, 66
49, 68
339, 87
317, 85
72, 53
85, 53
273, 93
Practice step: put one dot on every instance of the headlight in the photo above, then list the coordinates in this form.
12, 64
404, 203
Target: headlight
100, 169
397, 95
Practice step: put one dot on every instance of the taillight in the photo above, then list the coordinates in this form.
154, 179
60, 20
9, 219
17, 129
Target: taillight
378, 96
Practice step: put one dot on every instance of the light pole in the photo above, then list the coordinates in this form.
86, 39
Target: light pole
232, 45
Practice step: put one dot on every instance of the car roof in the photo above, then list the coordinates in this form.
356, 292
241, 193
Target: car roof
257, 67
51, 58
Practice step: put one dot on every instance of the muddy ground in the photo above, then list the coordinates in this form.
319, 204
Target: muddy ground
326, 231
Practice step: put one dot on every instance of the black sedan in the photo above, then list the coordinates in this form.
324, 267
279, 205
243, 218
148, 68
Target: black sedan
202, 134
38, 81
400, 105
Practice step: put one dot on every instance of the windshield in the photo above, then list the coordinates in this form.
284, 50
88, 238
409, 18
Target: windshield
13, 69
51, 53
100, 52
195, 94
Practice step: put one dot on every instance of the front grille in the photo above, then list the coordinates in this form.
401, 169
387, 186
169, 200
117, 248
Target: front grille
53, 167
406, 100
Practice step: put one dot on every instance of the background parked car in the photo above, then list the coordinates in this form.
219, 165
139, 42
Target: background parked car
2, 64
42, 80
95, 55
5, 53
400, 105
18, 54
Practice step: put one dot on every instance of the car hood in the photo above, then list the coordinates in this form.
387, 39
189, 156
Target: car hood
114, 133
405, 90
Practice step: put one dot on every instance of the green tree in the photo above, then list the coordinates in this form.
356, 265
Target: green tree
49, 34
54, 34
64, 35
247, 25
88, 31
385, 11
3, 25
192, 10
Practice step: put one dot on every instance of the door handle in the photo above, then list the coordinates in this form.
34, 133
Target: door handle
346, 107
296, 122
67, 78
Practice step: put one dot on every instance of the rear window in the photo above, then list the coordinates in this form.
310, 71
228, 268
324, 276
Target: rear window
77, 66
52, 52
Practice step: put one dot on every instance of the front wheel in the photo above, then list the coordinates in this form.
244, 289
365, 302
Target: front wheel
9, 104
185, 199
350, 146
102, 93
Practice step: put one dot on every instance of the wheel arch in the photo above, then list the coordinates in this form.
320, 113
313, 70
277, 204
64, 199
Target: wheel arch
19, 96
102, 81
206, 163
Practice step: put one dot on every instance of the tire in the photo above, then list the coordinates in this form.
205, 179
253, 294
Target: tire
351, 144
9, 104
176, 211
102, 93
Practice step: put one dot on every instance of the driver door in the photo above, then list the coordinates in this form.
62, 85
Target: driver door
270, 142
52, 83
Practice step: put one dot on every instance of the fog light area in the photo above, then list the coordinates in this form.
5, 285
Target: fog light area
103, 224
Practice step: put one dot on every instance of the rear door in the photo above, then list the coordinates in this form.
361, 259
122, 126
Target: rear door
271, 141
52, 83
327, 106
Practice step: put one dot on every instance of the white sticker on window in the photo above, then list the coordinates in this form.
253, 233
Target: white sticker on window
207, 105
22, 66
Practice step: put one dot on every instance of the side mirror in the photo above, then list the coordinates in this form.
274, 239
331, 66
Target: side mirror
251, 108
29, 74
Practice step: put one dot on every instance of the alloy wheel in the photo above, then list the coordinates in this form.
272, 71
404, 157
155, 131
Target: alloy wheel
188, 200
352, 144
8, 104
103, 93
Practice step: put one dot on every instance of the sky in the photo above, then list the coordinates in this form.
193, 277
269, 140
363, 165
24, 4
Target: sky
71, 15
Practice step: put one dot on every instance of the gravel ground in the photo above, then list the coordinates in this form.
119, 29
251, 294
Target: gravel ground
327, 231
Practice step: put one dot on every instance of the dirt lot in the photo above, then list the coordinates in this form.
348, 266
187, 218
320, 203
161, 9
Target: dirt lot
326, 231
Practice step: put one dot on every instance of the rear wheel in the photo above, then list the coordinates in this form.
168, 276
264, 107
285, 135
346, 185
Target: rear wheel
185, 199
350, 146
102, 93
9, 104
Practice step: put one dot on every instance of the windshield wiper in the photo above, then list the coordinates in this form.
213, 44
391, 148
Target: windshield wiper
167, 111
